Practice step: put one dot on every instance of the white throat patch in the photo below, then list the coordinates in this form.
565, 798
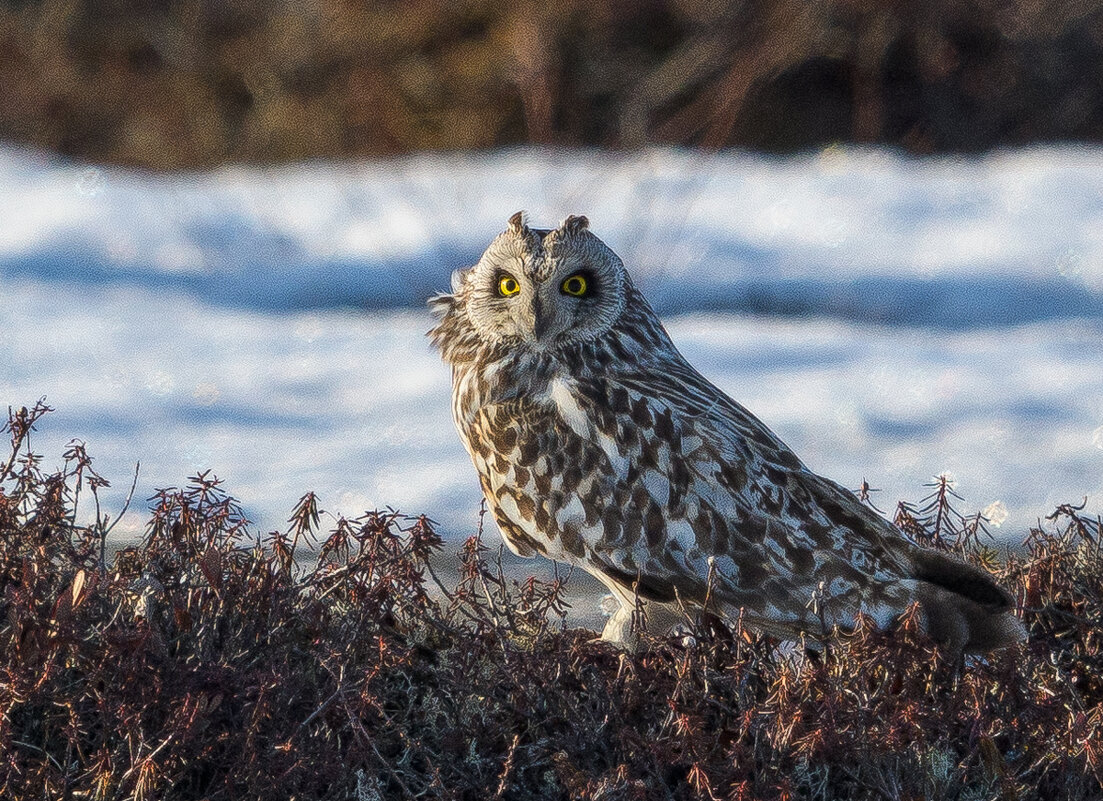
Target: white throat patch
560, 394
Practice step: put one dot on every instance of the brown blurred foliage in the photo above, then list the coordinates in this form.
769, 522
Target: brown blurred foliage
191, 83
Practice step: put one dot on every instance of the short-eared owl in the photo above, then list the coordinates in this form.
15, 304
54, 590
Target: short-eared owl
599, 445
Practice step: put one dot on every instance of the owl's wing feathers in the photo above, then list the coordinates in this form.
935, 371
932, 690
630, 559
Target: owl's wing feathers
778, 534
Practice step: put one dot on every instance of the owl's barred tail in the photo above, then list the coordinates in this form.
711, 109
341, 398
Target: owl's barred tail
963, 606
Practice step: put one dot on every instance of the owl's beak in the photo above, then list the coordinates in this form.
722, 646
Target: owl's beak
541, 321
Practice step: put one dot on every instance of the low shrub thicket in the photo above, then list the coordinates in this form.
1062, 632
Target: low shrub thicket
206, 663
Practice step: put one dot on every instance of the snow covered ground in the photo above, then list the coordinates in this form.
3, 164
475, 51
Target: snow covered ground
891, 319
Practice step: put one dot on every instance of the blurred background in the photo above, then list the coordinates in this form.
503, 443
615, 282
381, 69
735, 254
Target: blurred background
197, 83
877, 224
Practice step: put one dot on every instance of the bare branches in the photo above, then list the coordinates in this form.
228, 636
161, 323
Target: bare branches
20, 424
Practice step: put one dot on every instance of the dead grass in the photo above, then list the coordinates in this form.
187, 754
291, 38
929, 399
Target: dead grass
209, 663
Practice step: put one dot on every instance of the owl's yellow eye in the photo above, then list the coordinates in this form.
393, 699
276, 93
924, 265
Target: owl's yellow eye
575, 285
507, 285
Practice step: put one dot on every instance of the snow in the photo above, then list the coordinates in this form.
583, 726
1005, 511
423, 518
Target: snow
890, 319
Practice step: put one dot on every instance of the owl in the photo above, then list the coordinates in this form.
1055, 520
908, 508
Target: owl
597, 444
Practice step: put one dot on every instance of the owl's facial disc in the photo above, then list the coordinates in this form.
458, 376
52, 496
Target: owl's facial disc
545, 288
535, 309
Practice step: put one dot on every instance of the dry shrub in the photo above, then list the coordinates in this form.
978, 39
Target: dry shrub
206, 663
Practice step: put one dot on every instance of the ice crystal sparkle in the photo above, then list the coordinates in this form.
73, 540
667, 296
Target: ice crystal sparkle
995, 513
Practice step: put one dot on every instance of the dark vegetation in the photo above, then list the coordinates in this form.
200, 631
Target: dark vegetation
191, 83
205, 663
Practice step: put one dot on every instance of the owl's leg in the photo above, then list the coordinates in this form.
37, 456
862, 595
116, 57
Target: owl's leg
618, 630
634, 614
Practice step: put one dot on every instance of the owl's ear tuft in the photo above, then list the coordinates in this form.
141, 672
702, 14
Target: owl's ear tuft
518, 224
575, 224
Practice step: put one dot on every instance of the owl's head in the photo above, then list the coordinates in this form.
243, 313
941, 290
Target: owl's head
543, 288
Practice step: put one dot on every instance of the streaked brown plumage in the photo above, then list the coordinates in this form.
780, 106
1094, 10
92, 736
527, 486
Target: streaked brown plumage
599, 445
